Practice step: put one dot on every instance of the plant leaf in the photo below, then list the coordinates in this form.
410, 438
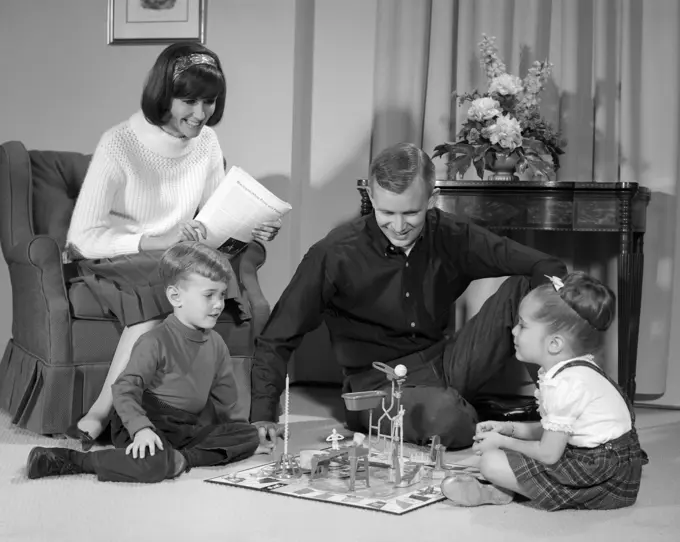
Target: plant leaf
480, 165
441, 150
460, 165
535, 145
539, 167
462, 148
481, 150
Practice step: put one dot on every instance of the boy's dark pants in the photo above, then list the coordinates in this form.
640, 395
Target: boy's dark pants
201, 444
442, 379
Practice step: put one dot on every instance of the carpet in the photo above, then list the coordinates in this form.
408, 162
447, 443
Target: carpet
79, 508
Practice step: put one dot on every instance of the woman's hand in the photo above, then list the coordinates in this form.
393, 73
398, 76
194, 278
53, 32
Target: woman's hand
267, 231
192, 230
189, 230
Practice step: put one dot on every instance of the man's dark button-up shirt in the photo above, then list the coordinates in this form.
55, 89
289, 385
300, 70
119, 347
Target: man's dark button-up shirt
380, 304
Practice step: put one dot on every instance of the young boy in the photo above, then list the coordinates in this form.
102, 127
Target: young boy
175, 397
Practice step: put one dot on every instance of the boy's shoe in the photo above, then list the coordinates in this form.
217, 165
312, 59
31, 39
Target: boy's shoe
86, 441
51, 462
466, 490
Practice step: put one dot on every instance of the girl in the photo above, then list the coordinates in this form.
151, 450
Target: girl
146, 180
584, 453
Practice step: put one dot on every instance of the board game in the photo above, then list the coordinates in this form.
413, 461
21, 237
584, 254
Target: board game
381, 496
380, 472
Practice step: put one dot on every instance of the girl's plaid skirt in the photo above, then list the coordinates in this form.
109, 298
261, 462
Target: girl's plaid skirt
600, 478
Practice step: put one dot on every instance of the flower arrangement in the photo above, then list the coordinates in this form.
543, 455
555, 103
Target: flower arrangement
505, 122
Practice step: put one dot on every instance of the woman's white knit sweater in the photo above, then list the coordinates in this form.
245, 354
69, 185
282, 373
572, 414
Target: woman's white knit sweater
142, 181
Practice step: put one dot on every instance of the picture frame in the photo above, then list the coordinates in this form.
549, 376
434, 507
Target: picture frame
137, 22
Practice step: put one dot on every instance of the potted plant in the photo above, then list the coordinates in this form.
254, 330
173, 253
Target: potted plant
504, 131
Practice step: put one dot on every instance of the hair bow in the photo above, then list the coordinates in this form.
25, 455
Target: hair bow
556, 282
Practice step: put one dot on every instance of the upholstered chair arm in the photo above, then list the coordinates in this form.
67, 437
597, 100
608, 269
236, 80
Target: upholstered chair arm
39, 299
16, 211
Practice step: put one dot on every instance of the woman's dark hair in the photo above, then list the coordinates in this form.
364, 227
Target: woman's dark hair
197, 82
583, 309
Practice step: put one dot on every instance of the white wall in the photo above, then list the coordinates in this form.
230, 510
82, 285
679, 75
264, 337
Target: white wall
62, 86
298, 117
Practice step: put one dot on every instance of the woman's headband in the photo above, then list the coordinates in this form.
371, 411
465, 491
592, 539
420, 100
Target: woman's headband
185, 62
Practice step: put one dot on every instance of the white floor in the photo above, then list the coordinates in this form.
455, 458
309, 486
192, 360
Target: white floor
80, 508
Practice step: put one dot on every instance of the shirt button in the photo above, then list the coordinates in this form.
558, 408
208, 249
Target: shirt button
406, 264
407, 294
413, 324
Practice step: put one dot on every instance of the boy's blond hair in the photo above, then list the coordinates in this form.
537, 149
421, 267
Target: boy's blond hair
187, 257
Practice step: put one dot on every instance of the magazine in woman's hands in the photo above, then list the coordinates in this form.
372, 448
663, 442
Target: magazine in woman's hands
238, 205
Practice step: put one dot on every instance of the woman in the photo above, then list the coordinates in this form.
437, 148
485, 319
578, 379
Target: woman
147, 178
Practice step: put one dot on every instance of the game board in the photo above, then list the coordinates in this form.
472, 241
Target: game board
391, 477
381, 496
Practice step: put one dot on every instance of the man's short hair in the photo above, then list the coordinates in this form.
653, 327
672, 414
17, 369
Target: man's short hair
396, 167
187, 257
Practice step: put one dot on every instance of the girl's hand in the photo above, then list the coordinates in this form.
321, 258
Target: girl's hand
484, 442
267, 231
484, 427
144, 438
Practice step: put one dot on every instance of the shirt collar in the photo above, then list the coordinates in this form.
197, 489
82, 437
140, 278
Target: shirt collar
547, 375
195, 335
382, 243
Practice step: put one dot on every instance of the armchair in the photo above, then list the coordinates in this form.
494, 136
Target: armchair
62, 342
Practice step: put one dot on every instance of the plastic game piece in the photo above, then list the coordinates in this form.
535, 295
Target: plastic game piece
334, 439
355, 455
287, 466
400, 371
439, 472
358, 439
433, 448
305, 458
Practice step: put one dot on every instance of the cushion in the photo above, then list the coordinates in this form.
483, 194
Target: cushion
57, 178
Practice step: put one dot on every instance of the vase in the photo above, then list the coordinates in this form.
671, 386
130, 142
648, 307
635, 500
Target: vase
502, 166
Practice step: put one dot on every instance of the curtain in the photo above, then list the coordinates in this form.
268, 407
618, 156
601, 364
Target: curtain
613, 94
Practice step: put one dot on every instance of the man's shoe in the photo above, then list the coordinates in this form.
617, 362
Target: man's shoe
51, 462
466, 490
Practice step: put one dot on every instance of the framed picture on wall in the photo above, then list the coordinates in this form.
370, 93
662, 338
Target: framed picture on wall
155, 21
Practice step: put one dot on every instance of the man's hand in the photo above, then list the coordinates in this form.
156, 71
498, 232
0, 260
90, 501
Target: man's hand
268, 433
144, 438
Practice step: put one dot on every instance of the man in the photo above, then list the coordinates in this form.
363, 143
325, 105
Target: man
385, 285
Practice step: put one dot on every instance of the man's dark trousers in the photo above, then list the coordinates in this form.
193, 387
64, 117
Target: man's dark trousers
444, 378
